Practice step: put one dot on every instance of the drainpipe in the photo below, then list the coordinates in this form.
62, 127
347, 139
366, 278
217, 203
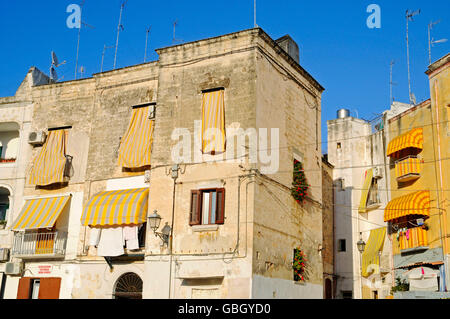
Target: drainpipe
174, 171
441, 211
2, 288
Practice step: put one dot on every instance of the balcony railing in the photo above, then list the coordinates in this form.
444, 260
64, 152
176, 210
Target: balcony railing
415, 238
408, 168
39, 245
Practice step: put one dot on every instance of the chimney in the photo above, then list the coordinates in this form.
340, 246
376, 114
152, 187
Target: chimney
290, 46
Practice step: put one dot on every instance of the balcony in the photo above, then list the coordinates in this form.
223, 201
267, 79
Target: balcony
408, 168
415, 240
39, 245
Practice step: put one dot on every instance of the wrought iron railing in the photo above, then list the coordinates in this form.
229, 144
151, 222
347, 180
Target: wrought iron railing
38, 244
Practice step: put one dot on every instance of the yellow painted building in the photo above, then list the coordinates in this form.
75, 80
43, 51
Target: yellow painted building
419, 166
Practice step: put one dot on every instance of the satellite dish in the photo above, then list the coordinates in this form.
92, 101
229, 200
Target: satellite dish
54, 59
53, 74
412, 99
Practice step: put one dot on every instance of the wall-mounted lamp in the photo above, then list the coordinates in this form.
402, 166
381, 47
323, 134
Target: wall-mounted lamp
361, 244
154, 220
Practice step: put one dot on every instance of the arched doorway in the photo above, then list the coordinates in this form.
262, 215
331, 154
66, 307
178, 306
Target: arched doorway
328, 289
128, 286
4, 204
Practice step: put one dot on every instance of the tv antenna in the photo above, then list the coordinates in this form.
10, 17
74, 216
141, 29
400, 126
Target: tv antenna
254, 13
79, 34
431, 41
409, 17
55, 64
391, 65
119, 28
174, 40
146, 42
103, 55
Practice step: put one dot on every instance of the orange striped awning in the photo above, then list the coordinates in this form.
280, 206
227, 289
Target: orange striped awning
40, 213
48, 166
413, 138
136, 145
213, 122
417, 203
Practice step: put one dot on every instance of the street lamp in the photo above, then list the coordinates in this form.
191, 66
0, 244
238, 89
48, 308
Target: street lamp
154, 220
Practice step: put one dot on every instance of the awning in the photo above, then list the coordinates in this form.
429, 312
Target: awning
121, 207
213, 122
370, 257
48, 166
40, 213
136, 145
413, 138
417, 203
365, 191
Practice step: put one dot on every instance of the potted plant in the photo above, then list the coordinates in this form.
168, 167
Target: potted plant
400, 286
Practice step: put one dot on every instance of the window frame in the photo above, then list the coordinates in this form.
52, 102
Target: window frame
340, 241
198, 208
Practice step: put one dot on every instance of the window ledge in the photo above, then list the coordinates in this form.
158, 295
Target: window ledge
205, 228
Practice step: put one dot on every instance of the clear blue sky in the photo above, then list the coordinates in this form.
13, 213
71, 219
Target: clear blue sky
336, 47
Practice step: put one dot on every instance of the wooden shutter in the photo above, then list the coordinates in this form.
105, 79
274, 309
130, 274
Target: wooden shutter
49, 288
196, 204
23, 292
220, 219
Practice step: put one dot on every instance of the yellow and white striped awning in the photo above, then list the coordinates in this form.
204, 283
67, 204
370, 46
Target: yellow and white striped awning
48, 166
121, 207
417, 203
213, 122
136, 145
365, 191
40, 213
370, 256
413, 138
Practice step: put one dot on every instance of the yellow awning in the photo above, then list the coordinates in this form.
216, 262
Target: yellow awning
121, 207
417, 203
40, 213
370, 257
48, 166
136, 145
413, 138
213, 122
365, 191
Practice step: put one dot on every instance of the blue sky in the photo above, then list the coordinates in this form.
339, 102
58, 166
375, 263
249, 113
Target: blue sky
336, 47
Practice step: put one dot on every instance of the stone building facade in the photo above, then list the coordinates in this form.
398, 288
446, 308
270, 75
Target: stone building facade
249, 254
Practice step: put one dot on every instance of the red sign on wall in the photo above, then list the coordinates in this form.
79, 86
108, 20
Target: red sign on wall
45, 269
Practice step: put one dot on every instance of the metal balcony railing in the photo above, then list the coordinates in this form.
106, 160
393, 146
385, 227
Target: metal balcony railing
39, 245
408, 168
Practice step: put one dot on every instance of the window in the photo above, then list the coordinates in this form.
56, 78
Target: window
373, 197
339, 145
342, 245
128, 286
35, 288
213, 121
207, 207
